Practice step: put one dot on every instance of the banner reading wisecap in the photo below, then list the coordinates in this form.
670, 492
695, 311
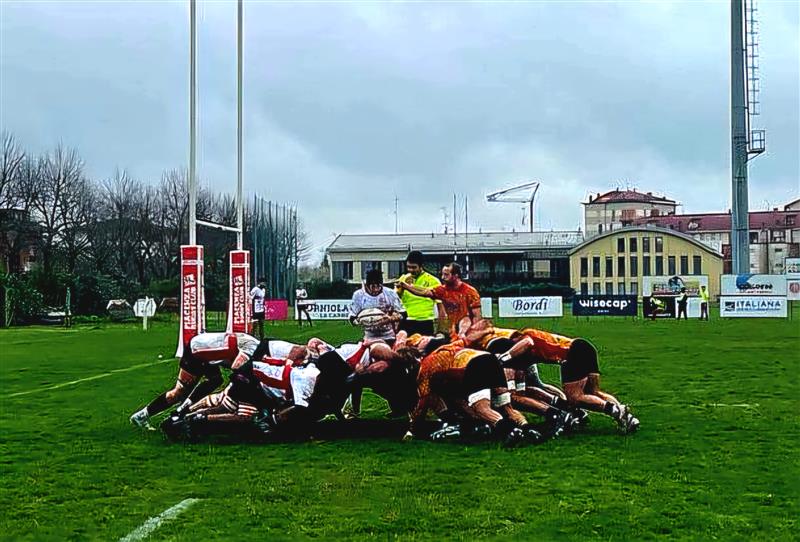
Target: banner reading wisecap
540, 306
605, 305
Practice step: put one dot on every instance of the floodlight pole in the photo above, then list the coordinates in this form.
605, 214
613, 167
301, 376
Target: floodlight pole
192, 181
239, 201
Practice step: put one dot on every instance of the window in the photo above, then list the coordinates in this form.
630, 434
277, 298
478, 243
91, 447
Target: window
609, 288
621, 266
670, 265
790, 220
368, 266
659, 265
645, 244
584, 288
609, 266
621, 244
584, 267
596, 288
342, 270
754, 237
645, 266
778, 236
634, 288
697, 265
684, 265
632, 242
596, 266
397, 268
621, 288
659, 244
599, 228
634, 266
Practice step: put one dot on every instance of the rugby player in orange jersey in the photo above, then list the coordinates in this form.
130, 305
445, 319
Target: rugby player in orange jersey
580, 372
458, 298
472, 381
542, 399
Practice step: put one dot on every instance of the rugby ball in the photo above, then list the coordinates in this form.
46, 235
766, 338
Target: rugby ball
370, 317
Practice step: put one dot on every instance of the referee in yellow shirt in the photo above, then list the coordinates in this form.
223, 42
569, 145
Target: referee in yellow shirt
420, 309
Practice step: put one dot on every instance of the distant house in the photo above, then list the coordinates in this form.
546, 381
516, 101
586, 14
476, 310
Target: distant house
494, 256
619, 208
774, 235
19, 237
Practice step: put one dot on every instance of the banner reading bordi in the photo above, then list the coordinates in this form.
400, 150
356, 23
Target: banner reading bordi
605, 305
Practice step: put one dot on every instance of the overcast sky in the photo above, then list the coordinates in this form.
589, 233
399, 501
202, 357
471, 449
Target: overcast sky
348, 104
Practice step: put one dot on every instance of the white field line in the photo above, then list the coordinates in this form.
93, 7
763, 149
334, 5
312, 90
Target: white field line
87, 379
145, 529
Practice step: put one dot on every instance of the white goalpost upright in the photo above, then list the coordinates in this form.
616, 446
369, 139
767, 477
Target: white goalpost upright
193, 314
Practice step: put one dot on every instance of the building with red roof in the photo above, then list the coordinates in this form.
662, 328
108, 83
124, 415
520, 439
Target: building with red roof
619, 208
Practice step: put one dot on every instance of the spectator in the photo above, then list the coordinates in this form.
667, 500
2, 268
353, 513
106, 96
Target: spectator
258, 296
300, 296
703, 303
683, 301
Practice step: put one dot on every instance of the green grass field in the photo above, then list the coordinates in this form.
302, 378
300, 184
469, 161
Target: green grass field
716, 457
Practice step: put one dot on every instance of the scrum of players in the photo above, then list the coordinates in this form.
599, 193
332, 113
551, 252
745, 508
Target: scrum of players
481, 383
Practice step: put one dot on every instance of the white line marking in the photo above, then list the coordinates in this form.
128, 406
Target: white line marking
87, 379
145, 529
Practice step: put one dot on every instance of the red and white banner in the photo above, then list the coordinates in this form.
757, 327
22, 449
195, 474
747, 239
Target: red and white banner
193, 299
240, 312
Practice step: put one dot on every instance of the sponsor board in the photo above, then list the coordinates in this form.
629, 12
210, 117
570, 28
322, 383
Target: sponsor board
668, 307
793, 289
671, 285
605, 305
752, 307
328, 309
539, 306
748, 284
792, 268
276, 309
486, 307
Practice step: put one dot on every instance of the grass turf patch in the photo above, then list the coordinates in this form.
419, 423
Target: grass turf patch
716, 457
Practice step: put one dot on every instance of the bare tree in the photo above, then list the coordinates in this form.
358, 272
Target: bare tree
10, 165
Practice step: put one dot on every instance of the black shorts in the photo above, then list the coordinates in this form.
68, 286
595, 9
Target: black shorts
499, 345
483, 372
246, 389
581, 361
199, 368
423, 327
258, 316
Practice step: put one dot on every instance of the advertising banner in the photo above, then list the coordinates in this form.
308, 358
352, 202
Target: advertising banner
540, 306
769, 285
193, 306
605, 305
328, 309
486, 307
240, 310
752, 307
692, 307
276, 309
793, 289
667, 309
671, 285
792, 268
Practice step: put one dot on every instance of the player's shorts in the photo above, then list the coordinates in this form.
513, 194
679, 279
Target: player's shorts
581, 361
199, 368
423, 327
483, 373
499, 345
